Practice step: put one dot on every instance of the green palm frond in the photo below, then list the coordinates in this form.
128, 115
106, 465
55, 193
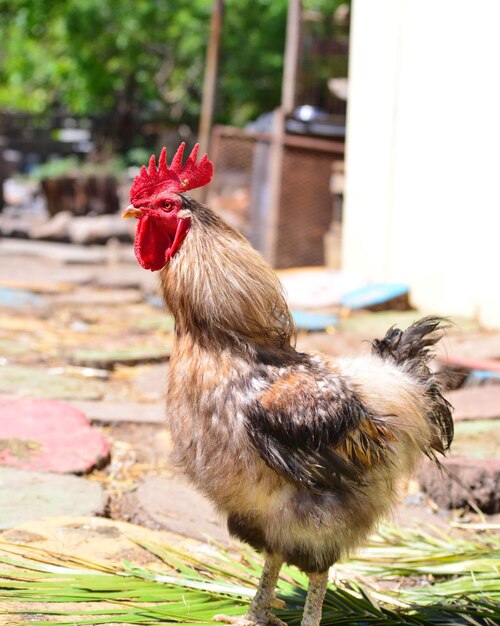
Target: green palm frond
402, 577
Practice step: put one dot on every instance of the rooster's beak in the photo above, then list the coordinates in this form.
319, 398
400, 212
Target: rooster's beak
131, 211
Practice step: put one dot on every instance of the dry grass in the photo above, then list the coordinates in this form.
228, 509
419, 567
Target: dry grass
403, 577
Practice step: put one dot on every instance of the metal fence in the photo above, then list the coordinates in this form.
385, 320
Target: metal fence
287, 224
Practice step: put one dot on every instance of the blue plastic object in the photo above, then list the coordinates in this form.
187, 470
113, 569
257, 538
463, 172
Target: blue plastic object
18, 299
308, 320
482, 376
373, 294
155, 301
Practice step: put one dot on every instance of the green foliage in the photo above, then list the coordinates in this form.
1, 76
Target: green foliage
127, 62
98, 55
251, 62
145, 58
71, 166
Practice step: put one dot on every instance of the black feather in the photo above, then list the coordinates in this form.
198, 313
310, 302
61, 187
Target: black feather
412, 350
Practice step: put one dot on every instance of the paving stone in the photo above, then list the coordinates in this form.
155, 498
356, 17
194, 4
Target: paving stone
93, 538
375, 324
99, 297
160, 322
18, 270
36, 286
13, 347
115, 277
139, 412
68, 253
311, 321
64, 253
48, 435
19, 299
470, 364
475, 402
479, 439
87, 538
108, 359
31, 381
31, 495
471, 346
151, 382
179, 508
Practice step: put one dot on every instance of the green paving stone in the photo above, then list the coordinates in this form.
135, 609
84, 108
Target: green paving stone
27, 495
107, 359
12, 347
29, 381
477, 439
163, 323
377, 324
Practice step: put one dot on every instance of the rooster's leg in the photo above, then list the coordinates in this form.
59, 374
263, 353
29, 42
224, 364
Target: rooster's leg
315, 597
259, 611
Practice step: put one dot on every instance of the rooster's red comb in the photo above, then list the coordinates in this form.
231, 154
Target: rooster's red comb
175, 179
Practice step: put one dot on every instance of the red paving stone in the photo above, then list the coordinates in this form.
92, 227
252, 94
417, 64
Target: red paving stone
490, 365
48, 436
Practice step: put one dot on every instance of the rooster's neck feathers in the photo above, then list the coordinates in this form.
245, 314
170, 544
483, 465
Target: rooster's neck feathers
220, 289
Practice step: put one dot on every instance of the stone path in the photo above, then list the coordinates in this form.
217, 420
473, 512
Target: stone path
26, 496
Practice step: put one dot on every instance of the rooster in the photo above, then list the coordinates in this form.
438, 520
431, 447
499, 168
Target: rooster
302, 453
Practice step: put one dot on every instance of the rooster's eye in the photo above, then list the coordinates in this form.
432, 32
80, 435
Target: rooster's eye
167, 205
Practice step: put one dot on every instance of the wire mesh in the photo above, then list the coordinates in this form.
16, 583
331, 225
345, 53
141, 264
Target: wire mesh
241, 193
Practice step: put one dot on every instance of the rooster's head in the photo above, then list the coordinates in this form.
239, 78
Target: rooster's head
156, 201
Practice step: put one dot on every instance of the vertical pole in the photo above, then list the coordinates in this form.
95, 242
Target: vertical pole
289, 84
3, 171
209, 87
288, 89
210, 77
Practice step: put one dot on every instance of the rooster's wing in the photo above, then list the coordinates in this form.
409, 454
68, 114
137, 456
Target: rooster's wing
314, 429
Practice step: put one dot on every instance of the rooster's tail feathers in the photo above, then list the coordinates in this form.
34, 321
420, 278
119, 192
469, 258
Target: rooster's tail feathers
411, 349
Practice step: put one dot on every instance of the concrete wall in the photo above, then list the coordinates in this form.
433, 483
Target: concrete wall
423, 153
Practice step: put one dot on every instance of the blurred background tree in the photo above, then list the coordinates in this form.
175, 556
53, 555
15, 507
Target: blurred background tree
135, 65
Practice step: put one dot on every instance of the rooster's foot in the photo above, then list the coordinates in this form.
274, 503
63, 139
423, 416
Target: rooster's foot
251, 619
